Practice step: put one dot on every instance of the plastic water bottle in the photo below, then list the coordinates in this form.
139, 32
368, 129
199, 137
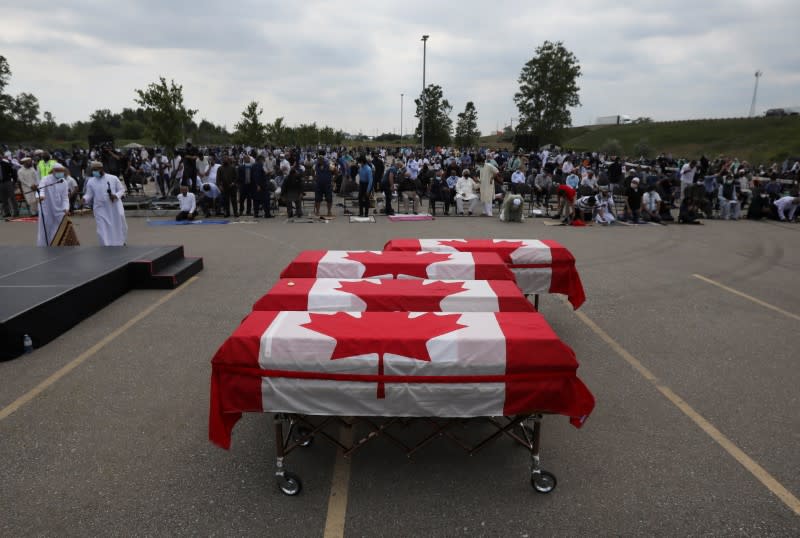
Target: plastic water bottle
27, 343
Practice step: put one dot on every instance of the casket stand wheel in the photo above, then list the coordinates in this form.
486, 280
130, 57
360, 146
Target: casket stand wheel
543, 482
290, 484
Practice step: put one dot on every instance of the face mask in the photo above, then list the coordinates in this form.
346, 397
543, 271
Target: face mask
59, 175
95, 173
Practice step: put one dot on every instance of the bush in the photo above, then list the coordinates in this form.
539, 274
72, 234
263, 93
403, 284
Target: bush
611, 147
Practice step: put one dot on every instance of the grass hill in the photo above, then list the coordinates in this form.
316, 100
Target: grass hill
757, 140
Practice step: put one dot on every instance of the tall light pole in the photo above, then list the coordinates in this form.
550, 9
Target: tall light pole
755, 91
424, 53
401, 119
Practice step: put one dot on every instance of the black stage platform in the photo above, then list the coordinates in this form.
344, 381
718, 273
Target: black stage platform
46, 291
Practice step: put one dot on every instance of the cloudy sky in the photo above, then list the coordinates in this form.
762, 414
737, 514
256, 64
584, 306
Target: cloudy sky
345, 63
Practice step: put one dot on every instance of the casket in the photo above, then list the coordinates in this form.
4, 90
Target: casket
411, 295
382, 264
540, 266
398, 364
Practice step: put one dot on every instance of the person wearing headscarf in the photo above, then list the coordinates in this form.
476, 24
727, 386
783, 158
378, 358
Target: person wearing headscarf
104, 192
53, 196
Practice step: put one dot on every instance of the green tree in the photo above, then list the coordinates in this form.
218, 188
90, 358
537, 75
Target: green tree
48, 126
250, 130
100, 123
25, 110
5, 75
278, 132
467, 132
166, 113
547, 88
438, 125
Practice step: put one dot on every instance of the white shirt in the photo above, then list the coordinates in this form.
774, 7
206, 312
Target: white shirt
784, 204
465, 188
651, 200
413, 168
212, 174
213, 191
567, 167
518, 177
687, 173
187, 203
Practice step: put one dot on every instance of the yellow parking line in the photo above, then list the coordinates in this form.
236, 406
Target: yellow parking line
340, 484
83, 357
748, 297
746, 461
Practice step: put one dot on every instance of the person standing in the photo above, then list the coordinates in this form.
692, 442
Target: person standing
226, 178
190, 158
324, 186
364, 186
388, 182
8, 183
28, 178
488, 175
104, 192
687, 176
53, 195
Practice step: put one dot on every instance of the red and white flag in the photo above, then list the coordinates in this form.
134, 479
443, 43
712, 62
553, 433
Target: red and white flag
394, 364
411, 295
540, 266
383, 264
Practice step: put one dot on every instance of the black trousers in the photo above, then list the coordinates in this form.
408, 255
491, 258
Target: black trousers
245, 195
261, 200
8, 199
387, 195
363, 200
231, 204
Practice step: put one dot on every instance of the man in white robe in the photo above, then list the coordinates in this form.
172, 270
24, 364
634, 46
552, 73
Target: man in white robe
28, 177
465, 192
488, 175
53, 195
104, 192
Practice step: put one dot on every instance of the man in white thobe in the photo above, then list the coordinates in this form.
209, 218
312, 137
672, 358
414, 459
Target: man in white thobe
53, 195
104, 192
465, 192
28, 177
488, 175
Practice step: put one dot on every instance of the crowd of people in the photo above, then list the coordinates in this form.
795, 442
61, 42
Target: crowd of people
246, 181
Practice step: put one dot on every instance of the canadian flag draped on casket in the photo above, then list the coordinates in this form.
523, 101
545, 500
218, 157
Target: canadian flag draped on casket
399, 364
411, 295
382, 264
540, 266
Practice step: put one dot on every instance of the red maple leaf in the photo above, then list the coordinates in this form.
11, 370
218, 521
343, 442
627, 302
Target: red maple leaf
396, 263
402, 295
503, 248
383, 332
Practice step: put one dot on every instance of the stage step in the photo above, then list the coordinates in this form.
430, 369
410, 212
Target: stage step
175, 274
142, 269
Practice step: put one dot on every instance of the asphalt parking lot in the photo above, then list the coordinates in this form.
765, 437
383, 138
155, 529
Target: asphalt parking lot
688, 339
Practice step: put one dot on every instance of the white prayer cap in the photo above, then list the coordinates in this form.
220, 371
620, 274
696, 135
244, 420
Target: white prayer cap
516, 202
22, 160
58, 166
96, 164
635, 180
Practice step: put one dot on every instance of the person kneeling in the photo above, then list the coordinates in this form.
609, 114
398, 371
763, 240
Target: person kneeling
651, 205
188, 205
511, 210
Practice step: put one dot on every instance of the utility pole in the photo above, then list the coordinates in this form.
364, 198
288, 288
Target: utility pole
424, 104
755, 92
401, 119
